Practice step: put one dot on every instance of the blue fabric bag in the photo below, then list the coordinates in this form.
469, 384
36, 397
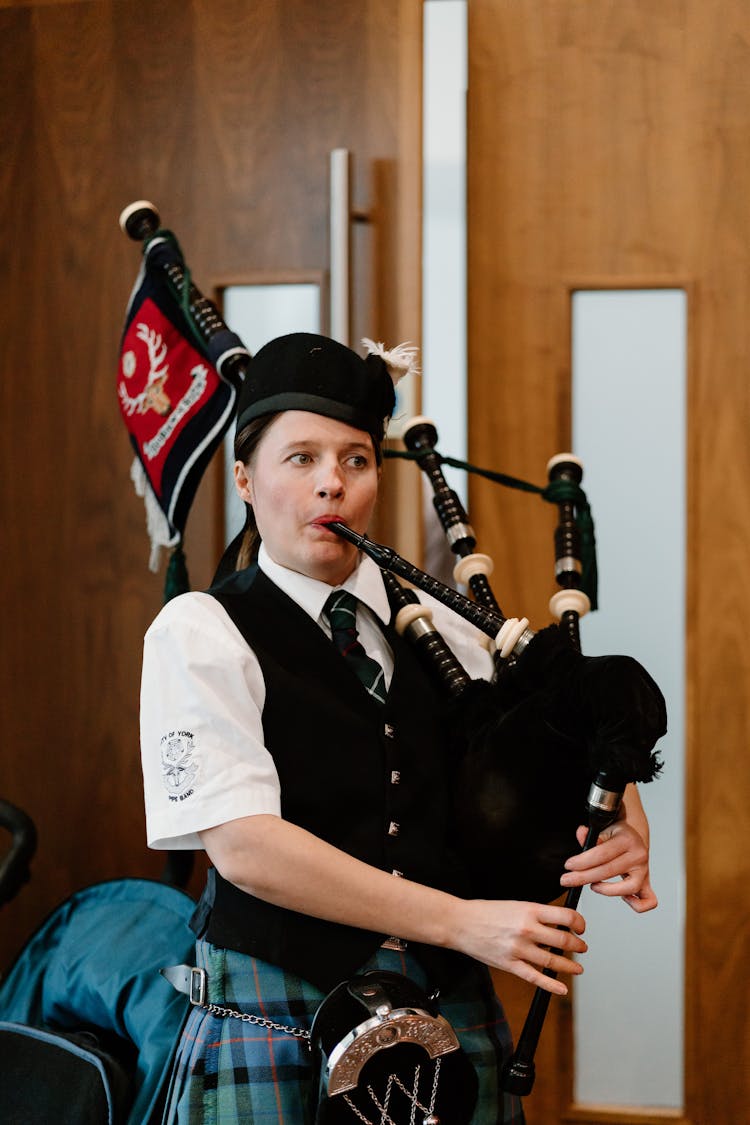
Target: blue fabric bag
94, 965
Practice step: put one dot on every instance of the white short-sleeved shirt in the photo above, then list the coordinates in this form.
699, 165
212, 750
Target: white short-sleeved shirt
202, 694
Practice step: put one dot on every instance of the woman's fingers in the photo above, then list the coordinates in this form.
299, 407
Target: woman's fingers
526, 971
536, 960
642, 902
540, 939
614, 844
620, 852
640, 897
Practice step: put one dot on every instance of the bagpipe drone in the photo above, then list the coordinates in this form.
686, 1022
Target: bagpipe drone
550, 745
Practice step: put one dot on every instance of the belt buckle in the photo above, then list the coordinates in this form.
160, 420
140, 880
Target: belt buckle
198, 987
396, 943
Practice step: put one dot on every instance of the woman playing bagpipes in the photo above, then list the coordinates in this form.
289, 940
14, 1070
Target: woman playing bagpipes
289, 731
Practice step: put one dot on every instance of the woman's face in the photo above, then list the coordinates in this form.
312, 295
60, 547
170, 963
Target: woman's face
307, 467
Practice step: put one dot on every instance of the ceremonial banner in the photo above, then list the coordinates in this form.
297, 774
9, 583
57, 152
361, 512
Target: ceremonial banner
174, 401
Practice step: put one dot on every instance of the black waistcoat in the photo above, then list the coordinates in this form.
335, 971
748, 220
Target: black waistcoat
368, 778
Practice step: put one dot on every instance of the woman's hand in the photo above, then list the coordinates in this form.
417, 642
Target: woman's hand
621, 854
523, 938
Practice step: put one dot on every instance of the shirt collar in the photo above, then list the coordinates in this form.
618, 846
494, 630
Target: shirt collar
365, 582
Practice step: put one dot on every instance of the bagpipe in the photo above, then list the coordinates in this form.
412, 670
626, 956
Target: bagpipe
558, 734
553, 743
550, 744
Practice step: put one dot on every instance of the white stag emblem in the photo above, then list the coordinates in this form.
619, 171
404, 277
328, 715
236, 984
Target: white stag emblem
153, 396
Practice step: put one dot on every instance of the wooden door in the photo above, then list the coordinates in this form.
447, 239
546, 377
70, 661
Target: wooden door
224, 113
608, 144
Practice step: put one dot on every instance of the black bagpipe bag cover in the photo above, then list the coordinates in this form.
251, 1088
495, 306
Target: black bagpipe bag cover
529, 747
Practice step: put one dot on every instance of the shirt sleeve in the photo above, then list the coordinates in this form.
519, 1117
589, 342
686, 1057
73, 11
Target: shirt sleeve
468, 643
202, 745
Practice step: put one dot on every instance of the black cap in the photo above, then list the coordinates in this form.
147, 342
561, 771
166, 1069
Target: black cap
303, 371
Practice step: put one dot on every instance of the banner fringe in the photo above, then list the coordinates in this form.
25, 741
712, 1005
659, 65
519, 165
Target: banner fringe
157, 525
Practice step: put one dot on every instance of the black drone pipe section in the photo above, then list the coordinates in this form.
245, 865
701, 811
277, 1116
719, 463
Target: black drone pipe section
568, 565
421, 438
141, 222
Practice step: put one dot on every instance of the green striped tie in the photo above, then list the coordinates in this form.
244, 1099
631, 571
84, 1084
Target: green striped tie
341, 611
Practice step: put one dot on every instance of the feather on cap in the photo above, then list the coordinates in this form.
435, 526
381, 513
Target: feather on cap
401, 360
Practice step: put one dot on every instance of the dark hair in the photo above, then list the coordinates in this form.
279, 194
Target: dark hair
246, 442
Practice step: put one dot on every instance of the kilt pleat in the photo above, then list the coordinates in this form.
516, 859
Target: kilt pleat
228, 1071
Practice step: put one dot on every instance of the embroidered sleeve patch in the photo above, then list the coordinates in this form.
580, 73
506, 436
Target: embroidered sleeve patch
179, 768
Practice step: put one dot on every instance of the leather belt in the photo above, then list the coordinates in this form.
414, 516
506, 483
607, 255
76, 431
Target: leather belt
193, 982
187, 979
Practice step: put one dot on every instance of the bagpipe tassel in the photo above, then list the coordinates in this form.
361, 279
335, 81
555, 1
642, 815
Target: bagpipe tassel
176, 580
589, 575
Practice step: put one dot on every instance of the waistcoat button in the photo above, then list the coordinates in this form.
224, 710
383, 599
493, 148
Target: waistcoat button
389, 730
395, 777
393, 828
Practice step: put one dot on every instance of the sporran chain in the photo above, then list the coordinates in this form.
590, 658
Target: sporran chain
257, 1021
385, 1117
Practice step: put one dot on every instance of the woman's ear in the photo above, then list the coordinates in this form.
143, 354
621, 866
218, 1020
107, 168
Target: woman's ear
243, 482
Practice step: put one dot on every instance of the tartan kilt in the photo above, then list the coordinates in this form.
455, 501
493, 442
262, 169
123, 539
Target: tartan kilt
229, 1071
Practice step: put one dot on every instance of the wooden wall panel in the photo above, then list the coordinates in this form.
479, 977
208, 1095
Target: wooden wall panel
223, 112
608, 143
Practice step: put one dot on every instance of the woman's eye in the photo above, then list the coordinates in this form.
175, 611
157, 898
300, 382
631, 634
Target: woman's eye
358, 461
300, 458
